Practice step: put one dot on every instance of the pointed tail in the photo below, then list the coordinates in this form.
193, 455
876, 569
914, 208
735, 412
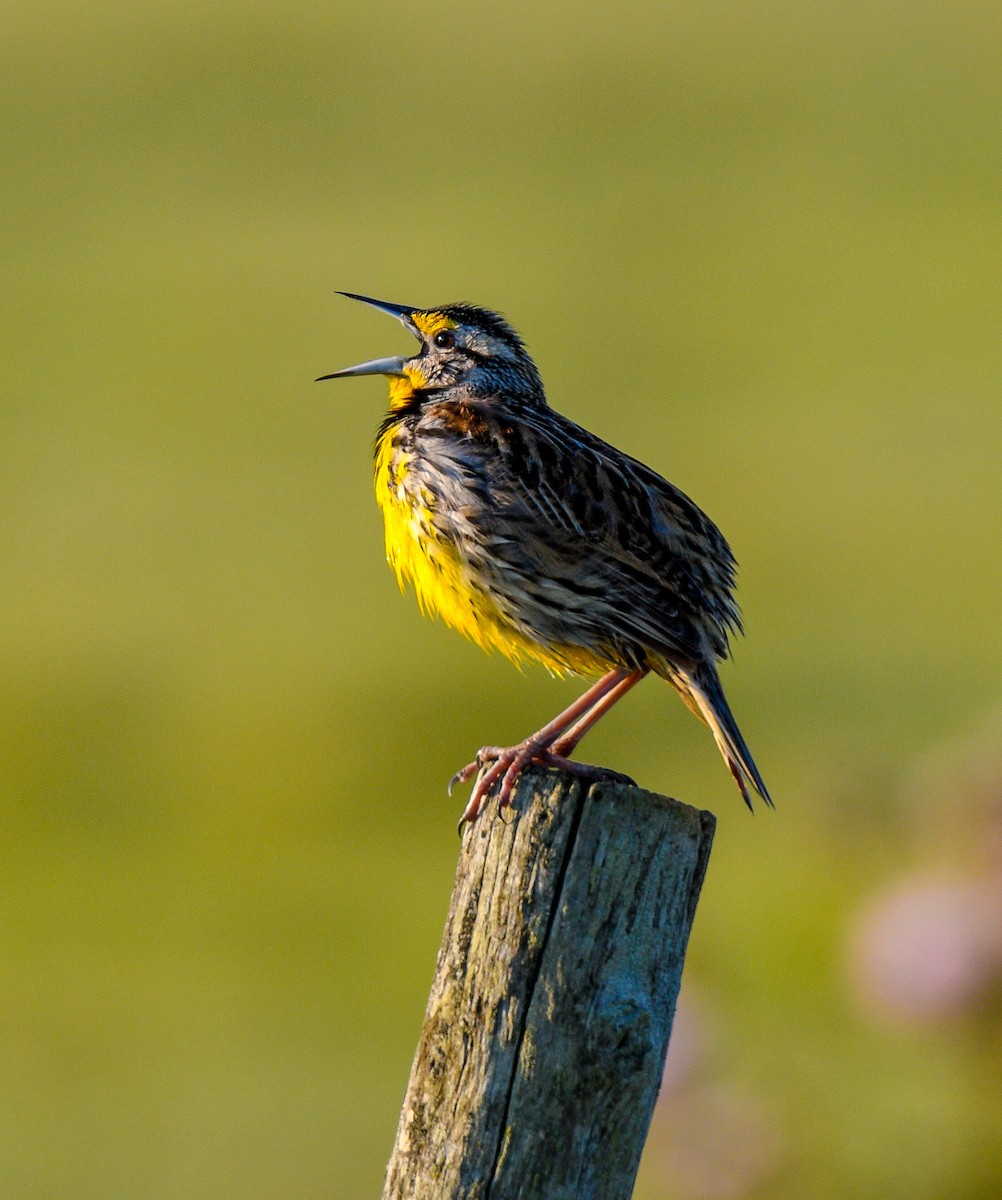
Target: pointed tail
709, 699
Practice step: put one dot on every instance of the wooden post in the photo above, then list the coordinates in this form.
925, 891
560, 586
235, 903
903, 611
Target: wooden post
547, 1027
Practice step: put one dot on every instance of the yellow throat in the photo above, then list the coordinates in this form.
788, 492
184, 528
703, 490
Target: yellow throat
442, 581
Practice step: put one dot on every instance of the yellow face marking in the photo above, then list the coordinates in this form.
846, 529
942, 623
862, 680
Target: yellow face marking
403, 387
431, 322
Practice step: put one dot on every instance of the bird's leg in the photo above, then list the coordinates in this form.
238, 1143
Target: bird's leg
507, 762
564, 745
559, 750
550, 731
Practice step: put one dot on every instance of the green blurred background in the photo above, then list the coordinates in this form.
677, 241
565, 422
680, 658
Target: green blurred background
759, 246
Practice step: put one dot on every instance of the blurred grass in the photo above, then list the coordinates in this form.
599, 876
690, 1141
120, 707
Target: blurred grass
757, 246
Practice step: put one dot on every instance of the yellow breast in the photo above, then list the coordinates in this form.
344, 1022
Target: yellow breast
443, 582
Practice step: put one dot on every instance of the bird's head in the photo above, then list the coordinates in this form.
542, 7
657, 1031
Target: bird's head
465, 351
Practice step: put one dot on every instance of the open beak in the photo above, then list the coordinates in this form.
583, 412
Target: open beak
375, 366
379, 366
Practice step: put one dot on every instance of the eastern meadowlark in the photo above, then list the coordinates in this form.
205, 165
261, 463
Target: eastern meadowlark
534, 537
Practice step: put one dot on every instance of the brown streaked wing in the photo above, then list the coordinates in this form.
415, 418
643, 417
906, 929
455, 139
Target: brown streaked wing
608, 504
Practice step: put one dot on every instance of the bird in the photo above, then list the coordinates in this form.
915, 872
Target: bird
535, 538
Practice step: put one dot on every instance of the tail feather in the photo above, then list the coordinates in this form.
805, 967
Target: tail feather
708, 697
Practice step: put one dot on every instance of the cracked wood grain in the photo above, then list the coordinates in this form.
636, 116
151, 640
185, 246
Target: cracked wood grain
547, 1027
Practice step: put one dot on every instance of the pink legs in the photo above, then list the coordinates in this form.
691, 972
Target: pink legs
567, 742
549, 747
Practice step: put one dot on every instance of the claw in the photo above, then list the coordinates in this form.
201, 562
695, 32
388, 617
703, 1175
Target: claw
509, 778
508, 764
472, 809
484, 755
505, 763
548, 747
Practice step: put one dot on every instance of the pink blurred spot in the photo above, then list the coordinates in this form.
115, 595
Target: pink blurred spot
713, 1142
688, 1046
925, 949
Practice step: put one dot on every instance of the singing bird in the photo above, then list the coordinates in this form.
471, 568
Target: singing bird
535, 538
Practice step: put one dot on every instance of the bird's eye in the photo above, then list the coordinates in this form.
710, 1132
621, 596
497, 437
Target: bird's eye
445, 339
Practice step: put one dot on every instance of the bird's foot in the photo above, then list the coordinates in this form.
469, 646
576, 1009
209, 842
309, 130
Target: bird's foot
506, 763
491, 764
586, 770
485, 755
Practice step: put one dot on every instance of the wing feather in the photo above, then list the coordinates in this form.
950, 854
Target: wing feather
619, 520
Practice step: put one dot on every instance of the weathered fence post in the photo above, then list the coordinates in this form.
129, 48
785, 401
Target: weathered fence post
547, 1027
